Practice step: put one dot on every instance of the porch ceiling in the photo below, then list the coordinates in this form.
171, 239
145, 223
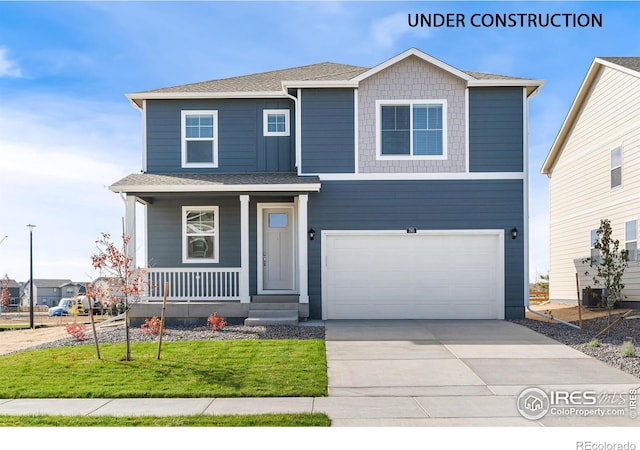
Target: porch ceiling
218, 182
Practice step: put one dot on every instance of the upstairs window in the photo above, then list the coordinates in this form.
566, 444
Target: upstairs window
631, 239
276, 122
616, 167
200, 234
412, 129
199, 139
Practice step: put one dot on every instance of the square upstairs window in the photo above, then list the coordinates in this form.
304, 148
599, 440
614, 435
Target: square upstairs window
276, 122
412, 129
199, 138
631, 239
616, 167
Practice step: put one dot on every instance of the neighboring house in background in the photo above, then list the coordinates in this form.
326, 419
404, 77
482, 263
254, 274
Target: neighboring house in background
398, 191
14, 293
49, 292
594, 174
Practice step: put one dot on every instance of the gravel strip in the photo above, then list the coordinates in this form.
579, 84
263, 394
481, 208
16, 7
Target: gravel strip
609, 350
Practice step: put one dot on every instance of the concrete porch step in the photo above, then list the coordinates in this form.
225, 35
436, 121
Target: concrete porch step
275, 298
268, 313
257, 321
272, 306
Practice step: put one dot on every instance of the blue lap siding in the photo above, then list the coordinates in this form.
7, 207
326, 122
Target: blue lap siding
495, 129
427, 205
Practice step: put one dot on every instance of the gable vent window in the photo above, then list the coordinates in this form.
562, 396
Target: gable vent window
199, 139
631, 239
616, 167
412, 129
276, 122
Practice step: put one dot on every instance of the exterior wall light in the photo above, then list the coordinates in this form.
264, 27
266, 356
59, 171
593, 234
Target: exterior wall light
514, 233
312, 234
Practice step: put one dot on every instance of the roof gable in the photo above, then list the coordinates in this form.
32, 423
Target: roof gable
628, 65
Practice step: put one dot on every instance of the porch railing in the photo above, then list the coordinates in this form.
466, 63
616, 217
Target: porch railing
187, 284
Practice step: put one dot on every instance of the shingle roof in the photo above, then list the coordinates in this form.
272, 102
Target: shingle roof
270, 81
217, 181
45, 282
630, 62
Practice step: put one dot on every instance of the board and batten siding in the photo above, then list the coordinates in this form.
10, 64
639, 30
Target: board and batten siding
328, 131
495, 129
426, 205
579, 184
164, 231
242, 147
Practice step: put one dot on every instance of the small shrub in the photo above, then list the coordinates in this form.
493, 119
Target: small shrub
215, 322
593, 343
151, 326
627, 350
76, 330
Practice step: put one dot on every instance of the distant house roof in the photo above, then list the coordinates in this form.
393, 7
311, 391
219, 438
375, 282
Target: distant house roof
327, 74
48, 283
13, 284
222, 182
627, 64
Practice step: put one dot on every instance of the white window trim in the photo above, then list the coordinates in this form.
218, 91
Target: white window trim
265, 120
626, 241
216, 236
410, 103
183, 139
611, 168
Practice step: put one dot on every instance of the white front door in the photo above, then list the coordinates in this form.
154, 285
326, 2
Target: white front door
278, 249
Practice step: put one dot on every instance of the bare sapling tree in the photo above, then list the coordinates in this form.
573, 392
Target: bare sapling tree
608, 267
126, 282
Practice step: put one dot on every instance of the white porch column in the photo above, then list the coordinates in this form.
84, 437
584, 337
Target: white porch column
130, 227
244, 249
303, 275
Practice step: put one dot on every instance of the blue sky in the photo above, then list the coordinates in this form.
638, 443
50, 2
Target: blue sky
67, 131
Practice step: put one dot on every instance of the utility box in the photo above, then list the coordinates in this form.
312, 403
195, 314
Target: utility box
593, 298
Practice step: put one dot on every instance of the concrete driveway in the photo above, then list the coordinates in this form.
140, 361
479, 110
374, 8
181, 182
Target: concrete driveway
466, 373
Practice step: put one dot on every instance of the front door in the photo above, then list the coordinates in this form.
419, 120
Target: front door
278, 249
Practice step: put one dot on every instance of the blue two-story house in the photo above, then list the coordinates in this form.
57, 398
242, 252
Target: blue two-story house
336, 192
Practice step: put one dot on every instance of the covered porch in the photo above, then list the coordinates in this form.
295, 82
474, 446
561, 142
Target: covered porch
235, 244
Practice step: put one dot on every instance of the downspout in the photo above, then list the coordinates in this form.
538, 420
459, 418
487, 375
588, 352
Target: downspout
298, 129
526, 212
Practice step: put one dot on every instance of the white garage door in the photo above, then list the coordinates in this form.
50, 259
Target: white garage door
428, 275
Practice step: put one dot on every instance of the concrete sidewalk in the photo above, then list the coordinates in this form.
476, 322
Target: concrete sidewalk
413, 373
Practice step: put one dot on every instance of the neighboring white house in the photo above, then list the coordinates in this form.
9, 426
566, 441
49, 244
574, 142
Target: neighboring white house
594, 173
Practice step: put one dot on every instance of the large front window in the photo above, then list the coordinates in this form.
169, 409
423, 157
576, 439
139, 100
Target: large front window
200, 233
199, 139
412, 129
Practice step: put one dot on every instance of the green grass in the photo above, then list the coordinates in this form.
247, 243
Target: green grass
21, 326
259, 420
238, 368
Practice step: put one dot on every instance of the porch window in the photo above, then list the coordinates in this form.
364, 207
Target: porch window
412, 129
616, 167
276, 122
199, 138
200, 234
631, 239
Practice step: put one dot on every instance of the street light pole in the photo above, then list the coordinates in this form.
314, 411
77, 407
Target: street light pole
31, 227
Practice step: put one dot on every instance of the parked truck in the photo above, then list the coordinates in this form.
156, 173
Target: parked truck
78, 305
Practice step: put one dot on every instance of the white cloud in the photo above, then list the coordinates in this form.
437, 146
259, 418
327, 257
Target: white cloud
8, 68
387, 31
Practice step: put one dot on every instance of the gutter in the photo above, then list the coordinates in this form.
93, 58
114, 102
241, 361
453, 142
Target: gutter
547, 316
298, 116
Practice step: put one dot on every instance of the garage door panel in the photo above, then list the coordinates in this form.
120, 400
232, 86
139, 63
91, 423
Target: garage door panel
373, 275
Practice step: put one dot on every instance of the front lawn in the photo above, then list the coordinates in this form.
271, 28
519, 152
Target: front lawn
258, 420
236, 368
